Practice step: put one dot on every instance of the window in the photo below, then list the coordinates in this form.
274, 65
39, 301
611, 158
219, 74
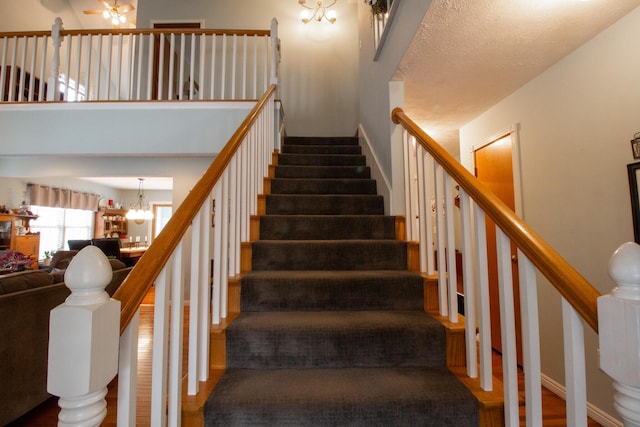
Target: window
57, 226
161, 215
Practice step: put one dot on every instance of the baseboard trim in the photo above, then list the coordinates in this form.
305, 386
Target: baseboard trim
593, 411
376, 171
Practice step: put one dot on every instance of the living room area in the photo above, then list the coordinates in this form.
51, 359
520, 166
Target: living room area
45, 221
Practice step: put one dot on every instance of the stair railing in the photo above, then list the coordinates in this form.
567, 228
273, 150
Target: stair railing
431, 175
137, 64
212, 220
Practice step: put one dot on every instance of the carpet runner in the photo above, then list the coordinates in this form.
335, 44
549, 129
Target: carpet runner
332, 329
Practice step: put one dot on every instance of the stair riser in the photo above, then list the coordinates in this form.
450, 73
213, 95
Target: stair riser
321, 160
336, 172
315, 140
261, 293
321, 149
323, 186
351, 255
302, 227
334, 340
277, 204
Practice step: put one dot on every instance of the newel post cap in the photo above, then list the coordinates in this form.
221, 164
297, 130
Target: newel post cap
84, 331
624, 269
87, 276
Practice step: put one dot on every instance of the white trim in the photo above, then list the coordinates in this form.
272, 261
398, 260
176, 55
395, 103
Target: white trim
376, 171
595, 413
513, 132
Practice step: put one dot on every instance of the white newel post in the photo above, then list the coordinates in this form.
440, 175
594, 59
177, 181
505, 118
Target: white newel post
619, 331
275, 52
84, 332
56, 38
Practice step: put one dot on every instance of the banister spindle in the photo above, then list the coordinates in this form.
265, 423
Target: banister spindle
619, 334
83, 343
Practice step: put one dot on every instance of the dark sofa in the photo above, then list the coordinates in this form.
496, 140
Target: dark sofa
26, 298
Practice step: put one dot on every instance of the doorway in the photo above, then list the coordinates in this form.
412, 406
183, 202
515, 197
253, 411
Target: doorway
164, 83
494, 167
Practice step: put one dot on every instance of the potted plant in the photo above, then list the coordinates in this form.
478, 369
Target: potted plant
47, 257
378, 7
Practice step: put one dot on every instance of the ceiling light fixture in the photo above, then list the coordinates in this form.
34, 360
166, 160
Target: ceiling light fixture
139, 211
319, 12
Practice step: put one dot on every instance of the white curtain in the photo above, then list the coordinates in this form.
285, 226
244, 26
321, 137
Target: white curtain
53, 197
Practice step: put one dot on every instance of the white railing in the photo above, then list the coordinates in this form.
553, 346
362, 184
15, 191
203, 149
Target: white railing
137, 64
217, 212
430, 197
380, 21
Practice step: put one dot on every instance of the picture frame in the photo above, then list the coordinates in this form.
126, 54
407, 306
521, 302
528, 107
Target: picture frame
633, 171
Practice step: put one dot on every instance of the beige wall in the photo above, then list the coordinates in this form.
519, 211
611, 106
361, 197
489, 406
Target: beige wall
319, 69
575, 121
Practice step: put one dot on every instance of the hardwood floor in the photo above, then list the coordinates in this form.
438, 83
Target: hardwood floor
45, 415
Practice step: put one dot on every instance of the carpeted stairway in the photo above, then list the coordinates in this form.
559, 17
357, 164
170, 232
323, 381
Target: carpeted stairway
332, 329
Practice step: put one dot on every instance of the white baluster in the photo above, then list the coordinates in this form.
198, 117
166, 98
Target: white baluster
128, 373
619, 334
3, 64
194, 306
507, 329
55, 61
452, 276
484, 319
83, 343
440, 227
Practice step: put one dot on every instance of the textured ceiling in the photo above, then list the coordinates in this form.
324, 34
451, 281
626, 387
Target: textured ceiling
470, 54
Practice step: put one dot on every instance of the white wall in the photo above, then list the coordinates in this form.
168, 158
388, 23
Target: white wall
319, 69
374, 77
576, 120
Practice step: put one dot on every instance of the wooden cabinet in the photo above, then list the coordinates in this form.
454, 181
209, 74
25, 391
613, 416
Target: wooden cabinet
16, 235
111, 223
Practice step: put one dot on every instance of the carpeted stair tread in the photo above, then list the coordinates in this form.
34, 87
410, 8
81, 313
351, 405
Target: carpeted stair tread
322, 186
321, 159
333, 204
332, 329
327, 227
336, 172
320, 149
334, 339
417, 396
321, 140
331, 290
329, 255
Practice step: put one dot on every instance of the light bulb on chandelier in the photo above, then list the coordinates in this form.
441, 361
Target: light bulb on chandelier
319, 12
139, 212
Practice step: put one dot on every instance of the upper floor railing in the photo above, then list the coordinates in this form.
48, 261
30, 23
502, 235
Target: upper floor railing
382, 14
137, 64
438, 189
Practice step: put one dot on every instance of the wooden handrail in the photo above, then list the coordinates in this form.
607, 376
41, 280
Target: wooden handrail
139, 281
125, 31
571, 284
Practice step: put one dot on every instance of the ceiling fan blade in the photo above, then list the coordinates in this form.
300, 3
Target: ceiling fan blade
105, 4
92, 12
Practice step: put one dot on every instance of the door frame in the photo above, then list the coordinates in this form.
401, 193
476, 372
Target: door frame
514, 132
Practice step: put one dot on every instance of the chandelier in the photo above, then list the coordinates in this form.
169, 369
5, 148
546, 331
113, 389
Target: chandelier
319, 12
139, 211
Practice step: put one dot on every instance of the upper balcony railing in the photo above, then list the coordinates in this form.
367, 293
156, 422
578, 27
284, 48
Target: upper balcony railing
137, 64
382, 14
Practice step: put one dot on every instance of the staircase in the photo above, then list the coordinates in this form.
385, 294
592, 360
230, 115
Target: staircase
332, 329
